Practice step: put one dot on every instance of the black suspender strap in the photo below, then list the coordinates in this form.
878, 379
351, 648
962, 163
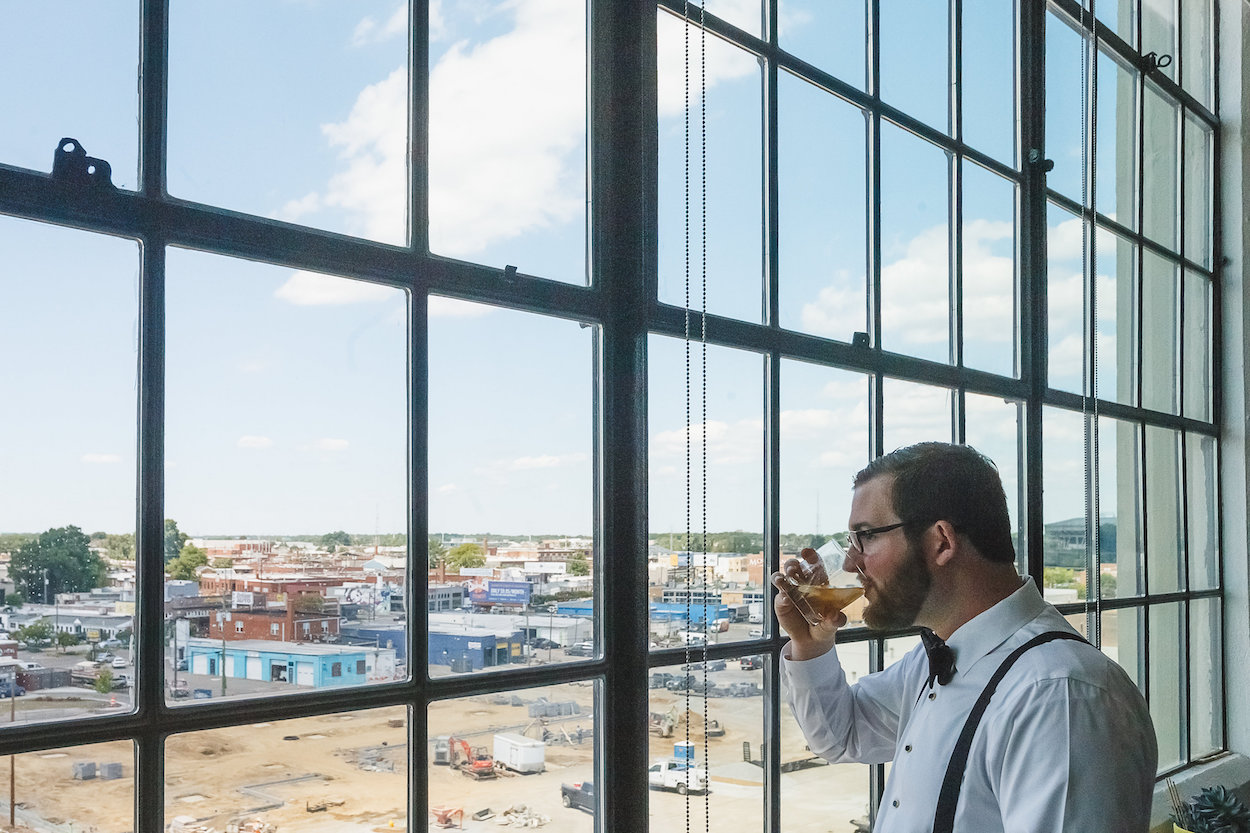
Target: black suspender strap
944, 818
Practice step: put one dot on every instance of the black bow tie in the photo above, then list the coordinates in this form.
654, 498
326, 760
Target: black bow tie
941, 658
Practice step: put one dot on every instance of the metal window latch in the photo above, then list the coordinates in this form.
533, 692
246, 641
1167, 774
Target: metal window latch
860, 340
72, 165
1154, 61
1036, 160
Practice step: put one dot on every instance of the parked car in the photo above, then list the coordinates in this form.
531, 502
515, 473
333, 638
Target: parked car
5, 690
755, 633
119, 662
752, 663
544, 643
578, 795
581, 649
712, 665
104, 656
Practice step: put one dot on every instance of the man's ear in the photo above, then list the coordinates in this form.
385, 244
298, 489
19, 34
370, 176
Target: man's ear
943, 543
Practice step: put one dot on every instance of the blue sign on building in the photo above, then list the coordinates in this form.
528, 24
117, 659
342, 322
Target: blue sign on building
508, 592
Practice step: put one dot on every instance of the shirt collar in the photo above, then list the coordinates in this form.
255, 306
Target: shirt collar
988, 629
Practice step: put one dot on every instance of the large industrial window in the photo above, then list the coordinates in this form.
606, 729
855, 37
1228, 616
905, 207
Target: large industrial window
606, 304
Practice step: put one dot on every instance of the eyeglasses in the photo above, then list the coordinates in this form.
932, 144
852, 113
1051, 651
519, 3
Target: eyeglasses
861, 538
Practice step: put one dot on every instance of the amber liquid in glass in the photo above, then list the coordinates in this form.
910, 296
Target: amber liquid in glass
818, 602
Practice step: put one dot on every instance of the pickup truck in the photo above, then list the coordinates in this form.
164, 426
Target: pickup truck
578, 795
675, 774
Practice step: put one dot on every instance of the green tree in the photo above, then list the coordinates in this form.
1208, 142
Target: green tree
437, 552
331, 541
578, 565
36, 632
183, 567
65, 640
104, 681
121, 547
466, 555
175, 539
60, 557
14, 599
221, 563
1059, 577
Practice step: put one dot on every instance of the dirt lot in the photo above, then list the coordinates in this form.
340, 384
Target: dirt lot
347, 773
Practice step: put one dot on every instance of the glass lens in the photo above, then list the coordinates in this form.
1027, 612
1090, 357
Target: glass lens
915, 55
822, 243
989, 271
1164, 542
915, 246
726, 168
67, 68
256, 484
507, 136
348, 769
253, 134
1120, 542
511, 489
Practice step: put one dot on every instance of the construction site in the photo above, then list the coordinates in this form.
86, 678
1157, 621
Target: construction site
495, 761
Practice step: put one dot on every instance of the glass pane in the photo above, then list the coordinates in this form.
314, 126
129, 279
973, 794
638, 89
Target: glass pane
1116, 297
989, 273
82, 788
1201, 494
1163, 510
249, 483
915, 54
915, 413
822, 242
1065, 299
706, 740
734, 156
835, 794
1158, 31
69, 71
507, 136
353, 767
67, 494
510, 488
1123, 640
824, 442
1120, 544
1065, 54
915, 246
1167, 683
831, 34
1119, 15
1198, 174
1160, 165
989, 74
994, 426
1081, 621
1206, 704
1196, 380
1065, 554
1197, 17
250, 134
1161, 353
745, 14
1116, 135
704, 472
546, 735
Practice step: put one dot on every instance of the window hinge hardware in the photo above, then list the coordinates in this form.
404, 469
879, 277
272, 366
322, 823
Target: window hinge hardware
72, 165
1036, 159
509, 273
860, 340
1154, 61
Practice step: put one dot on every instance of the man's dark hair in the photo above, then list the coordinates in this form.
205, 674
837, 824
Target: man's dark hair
946, 482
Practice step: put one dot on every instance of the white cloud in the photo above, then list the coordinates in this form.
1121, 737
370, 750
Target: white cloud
315, 289
331, 444
251, 441
293, 210
95, 458
369, 31
546, 461
447, 488
441, 307
724, 63
727, 443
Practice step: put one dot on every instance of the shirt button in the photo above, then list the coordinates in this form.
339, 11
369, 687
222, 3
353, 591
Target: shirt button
932, 695
895, 802
907, 748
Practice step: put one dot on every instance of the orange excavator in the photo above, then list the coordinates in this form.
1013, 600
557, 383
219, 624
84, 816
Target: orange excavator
475, 762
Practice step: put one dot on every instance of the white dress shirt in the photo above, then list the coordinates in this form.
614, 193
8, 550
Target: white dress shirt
1065, 745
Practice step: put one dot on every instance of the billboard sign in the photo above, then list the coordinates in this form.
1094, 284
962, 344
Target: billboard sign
508, 592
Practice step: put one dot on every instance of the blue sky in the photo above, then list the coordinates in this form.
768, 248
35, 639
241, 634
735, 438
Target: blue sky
286, 392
